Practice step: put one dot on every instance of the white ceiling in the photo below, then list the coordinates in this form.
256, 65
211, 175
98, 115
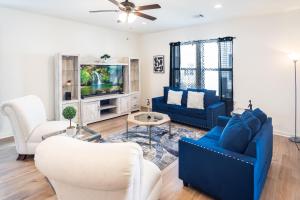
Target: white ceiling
173, 14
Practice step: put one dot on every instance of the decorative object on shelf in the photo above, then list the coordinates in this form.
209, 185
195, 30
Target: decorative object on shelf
69, 83
105, 58
69, 113
250, 106
159, 64
68, 95
295, 57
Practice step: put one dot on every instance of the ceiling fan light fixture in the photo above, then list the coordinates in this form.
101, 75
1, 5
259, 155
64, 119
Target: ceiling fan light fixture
128, 12
218, 6
131, 18
123, 17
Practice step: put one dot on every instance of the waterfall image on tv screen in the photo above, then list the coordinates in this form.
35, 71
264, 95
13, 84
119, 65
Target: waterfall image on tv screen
99, 80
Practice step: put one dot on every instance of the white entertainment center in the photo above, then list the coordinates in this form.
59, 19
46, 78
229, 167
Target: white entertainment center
95, 108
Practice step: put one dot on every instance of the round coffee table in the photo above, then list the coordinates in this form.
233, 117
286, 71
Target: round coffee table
148, 119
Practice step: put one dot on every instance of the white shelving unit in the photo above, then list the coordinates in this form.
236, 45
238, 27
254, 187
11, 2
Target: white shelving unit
67, 82
96, 108
134, 83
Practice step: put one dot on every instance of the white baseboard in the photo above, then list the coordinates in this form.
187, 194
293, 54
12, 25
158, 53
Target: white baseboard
283, 133
7, 138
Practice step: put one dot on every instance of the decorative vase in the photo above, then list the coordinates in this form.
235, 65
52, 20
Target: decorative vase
105, 60
71, 131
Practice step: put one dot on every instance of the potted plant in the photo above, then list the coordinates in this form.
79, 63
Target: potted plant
105, 57
69, 113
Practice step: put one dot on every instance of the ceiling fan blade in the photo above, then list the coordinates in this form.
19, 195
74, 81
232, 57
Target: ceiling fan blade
145, 16
116, 3
102, 11
147, 7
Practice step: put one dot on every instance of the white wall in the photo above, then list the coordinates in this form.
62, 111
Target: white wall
28, 43
262, 70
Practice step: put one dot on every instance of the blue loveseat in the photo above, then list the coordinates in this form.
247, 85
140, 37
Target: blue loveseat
222, 173
205, 118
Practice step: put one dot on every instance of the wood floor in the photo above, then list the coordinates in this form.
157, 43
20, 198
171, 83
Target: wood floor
20, 179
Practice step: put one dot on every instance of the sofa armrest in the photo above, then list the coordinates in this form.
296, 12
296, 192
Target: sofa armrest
213, 111
219, 172
222, 120
156, 102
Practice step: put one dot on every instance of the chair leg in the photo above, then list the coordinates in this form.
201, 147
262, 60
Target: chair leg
21, 157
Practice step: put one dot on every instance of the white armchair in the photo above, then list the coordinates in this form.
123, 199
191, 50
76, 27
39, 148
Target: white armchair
27, 116
80, 170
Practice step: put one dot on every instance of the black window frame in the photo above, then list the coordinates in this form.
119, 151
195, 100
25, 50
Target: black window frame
225, 65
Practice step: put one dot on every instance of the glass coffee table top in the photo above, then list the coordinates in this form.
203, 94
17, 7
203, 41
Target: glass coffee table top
148, 117
82, 133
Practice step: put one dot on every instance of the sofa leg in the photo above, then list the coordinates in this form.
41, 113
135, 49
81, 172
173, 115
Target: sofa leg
185, 184
21, 157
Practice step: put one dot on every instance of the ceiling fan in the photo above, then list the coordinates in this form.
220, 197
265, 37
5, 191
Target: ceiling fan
129, 11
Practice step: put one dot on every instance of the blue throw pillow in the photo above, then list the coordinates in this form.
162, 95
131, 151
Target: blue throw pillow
236, 135
252, 122
260, 115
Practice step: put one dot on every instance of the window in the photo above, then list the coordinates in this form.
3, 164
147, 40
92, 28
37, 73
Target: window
188, 68
204, 64
210, 66
206, 73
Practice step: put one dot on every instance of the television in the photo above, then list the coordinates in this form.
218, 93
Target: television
101, 79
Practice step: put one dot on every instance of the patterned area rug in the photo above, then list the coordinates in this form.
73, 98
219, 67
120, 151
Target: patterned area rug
164, 148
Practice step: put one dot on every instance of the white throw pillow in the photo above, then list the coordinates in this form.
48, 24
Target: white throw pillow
174, 97
195, 100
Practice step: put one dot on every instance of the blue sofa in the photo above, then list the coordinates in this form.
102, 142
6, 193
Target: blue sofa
225, 174
205, 118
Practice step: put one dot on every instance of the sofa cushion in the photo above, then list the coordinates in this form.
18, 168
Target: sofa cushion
215, 133
191, 112
164, 107
260, 115
209, 97
174, 97
252, 122
180, 110
236, 135
222, 120
207, 141
184, 95
195, 100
